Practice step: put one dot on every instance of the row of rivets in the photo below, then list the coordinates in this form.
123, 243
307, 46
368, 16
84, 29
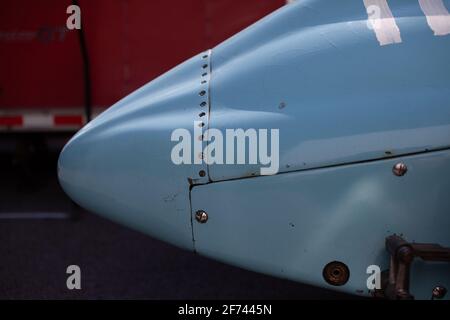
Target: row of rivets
201, 216
203, 104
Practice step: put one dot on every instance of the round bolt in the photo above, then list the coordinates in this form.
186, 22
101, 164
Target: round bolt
336, 273
439, 292
201, 216
202, 173
400, 169
405, 254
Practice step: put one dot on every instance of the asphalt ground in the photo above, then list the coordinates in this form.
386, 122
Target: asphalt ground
42, 232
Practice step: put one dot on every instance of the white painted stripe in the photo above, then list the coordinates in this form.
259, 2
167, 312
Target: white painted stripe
45, 120
38, 120
382, 22
437, 15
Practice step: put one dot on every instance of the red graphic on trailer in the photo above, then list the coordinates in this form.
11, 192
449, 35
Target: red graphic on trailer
129, 43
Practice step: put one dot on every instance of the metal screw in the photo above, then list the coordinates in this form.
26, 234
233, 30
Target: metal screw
438, 292
201, 216
400, 169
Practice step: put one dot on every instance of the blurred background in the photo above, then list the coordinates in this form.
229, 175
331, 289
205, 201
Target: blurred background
53, 81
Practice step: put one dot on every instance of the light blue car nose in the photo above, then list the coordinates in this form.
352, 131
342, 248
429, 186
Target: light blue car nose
119, 165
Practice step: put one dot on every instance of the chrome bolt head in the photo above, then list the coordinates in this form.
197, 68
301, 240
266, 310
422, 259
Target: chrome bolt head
439, 292
201, 216
400, 169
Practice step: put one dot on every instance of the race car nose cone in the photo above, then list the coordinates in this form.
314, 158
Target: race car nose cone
119, 165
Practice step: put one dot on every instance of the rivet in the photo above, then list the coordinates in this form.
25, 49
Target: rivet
439, 292
400, 169
336, 273
201, 216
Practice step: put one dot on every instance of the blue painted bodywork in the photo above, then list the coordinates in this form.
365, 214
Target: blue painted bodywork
291, 225
345, 97
347, 110
119, 165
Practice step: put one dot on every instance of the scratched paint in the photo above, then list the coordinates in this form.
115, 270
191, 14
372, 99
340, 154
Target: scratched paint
382, 22
438, 17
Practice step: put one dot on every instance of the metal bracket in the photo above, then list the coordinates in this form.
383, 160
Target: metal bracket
403, 254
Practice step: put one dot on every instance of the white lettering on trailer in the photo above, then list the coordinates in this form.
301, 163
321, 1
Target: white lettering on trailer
437, 16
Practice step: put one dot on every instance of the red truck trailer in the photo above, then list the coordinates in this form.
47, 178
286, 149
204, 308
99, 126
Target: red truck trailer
48, 86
